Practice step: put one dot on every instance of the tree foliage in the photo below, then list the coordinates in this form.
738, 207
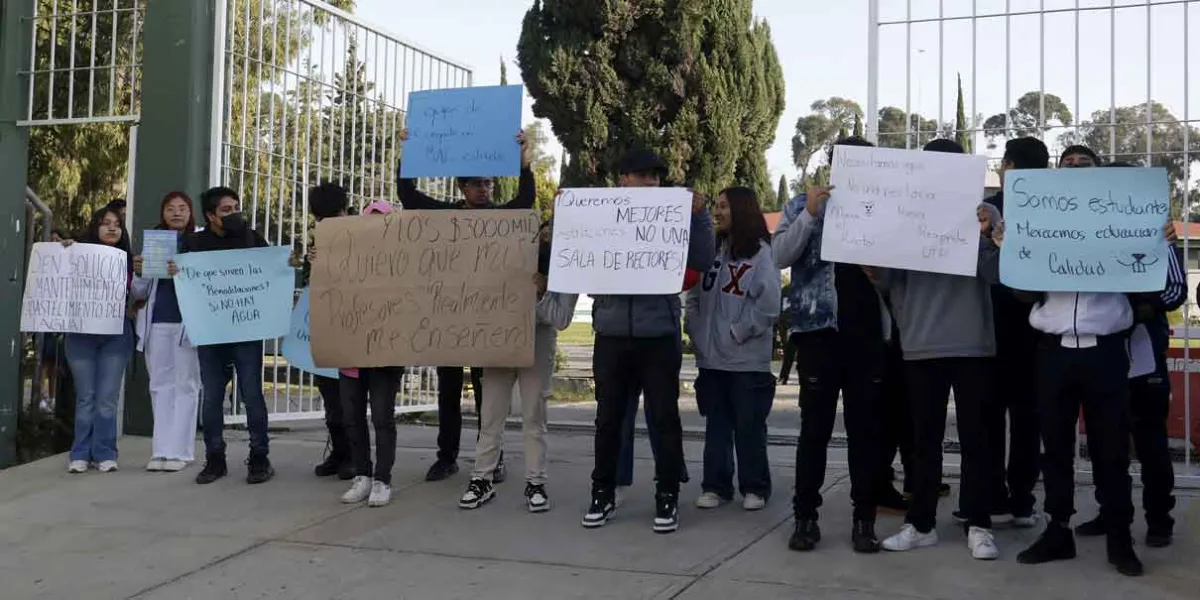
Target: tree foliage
1034, 114
696, 80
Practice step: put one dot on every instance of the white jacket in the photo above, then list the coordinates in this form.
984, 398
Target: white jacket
147, 289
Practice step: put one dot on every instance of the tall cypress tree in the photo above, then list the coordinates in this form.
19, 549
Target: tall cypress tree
506, 187
782, 198
962, 134
695, 80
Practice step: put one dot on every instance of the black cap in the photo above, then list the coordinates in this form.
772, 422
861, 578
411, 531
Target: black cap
1027, 153
641, 161
944, 145
1078, 149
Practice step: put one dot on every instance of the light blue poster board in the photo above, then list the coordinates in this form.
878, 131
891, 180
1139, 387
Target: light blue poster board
232, 296
463, 132
158, 248
297, 345
1085, 230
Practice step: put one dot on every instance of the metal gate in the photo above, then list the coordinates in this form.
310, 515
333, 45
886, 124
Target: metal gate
1112, 74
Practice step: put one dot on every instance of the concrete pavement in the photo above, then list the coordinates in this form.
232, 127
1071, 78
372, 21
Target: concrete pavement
139, 535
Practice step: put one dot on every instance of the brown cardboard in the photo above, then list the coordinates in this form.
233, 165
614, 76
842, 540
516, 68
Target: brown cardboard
425, 288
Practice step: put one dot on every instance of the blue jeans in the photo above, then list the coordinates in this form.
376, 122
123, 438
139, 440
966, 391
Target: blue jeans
247, 361
736, 406
97, 364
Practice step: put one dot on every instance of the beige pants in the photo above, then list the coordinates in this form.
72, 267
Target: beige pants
497, 404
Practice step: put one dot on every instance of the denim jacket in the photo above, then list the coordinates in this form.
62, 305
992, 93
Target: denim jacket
812, 296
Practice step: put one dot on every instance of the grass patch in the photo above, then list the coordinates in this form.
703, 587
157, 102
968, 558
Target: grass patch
577, 334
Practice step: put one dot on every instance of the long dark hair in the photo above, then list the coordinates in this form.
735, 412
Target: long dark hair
92, 234
191, 222
747, 227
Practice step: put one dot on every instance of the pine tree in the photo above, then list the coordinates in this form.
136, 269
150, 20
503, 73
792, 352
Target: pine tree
782, 199
506, 187
962, 134
695, 80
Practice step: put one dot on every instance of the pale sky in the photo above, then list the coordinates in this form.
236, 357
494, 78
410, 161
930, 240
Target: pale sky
823, 49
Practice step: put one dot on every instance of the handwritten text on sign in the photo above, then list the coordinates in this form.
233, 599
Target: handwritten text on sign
297, 345
1085, 230
620, 240
232, 296
904, 209
75, 289
451, 288
463, 132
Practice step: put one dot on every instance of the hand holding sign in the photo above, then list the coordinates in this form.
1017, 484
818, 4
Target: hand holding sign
815, 199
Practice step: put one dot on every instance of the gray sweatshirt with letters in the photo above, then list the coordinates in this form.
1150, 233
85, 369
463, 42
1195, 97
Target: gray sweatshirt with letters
731, 313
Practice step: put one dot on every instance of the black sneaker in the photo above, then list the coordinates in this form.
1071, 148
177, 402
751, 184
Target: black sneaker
479, 491
863, 538
600, 510
943, 490
1159, 536
805, 536
891, 502
666, 512
335, 465
214, 469
501, 472
441, 470
1122, 556
1056, 543
1093, 528
536, 498
259, 469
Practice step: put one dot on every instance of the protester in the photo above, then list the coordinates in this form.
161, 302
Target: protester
171, 358
840, 328
949, 342
477, 194
97, 364
50, 353
327, 201
227, 229
553, 314
118, 206
1082, 359
731, 320
638, 347
1150, 402
1015, 393
375, 387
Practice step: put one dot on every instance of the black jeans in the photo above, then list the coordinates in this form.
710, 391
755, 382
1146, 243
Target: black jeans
1150, 405
896, 431
1097, 377
622, 365
1015, 398
929, 384
789, 357
450, 384
331, 397
246, 359
375, 387
735, 407
830, 364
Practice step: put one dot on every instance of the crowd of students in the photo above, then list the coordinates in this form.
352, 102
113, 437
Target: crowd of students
889, 345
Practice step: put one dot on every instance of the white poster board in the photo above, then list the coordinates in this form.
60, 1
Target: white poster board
904, 209
75, 289
620, 240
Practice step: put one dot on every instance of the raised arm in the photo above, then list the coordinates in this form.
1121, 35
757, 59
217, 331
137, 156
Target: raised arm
526, 191
988, 266
793, 233
410, 197
702, 245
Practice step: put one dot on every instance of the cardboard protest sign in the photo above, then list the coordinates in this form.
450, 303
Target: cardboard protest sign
297, 345
463, 132
1085, 230
448, 288
230, 296
904, 209
79, 288
620, 240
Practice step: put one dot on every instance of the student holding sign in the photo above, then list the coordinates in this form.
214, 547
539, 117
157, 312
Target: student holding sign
840, 328
638, 346
97, 362
228, 230
477, 194
170, 357
731, 321
948, 340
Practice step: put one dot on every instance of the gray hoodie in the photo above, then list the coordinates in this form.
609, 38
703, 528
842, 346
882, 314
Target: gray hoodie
731, 313
658, 315
945, 316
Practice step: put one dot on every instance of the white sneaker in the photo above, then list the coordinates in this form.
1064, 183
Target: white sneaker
381, 494
1026, 522
359, 490
108, 466
709, 500
982, 544
909, 539
77, 466
155, 464
753, 502
174, 466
